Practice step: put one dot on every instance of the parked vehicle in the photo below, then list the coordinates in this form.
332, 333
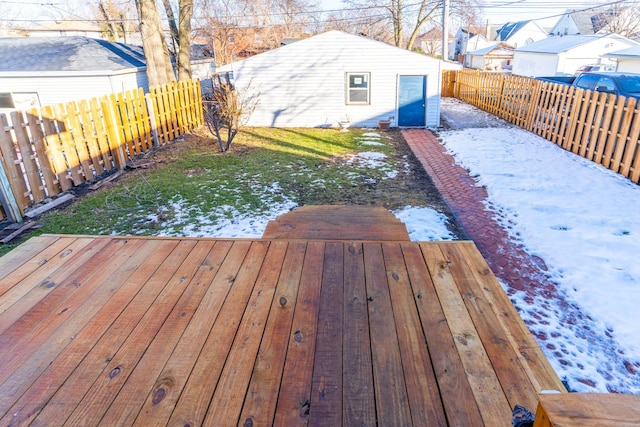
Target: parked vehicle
622, 84
595, 68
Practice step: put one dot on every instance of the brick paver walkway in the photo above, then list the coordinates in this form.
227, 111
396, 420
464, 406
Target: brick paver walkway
507, 259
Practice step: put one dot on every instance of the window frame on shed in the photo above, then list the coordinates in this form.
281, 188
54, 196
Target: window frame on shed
357, 87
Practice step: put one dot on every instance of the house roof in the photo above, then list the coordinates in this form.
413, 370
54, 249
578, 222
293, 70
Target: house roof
510, 28
629, 53
496, 48
558, 44
82, 54
307, 47
583, 21
66, 26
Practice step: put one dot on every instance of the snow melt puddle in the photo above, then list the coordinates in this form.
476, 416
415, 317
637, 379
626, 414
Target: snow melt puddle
582, 219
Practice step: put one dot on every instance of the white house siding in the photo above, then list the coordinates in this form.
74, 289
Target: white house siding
534, 64
55, 89
303, 84
565, 26
628, 65
526, 35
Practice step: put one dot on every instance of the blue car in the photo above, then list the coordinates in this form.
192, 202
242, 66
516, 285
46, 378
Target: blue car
624, 84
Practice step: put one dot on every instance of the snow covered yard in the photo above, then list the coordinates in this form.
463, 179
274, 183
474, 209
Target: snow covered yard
583, 221
181, 218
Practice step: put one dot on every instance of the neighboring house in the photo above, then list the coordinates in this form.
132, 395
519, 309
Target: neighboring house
497, 57
334, 77
576, 22
430, 42
521, 33
563, 55
467, 40
38, 71
628, 60
65, 29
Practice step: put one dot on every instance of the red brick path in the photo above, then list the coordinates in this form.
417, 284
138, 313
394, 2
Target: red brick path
509, 262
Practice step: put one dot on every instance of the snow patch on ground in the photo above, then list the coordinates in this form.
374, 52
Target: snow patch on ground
583, 221
424, 224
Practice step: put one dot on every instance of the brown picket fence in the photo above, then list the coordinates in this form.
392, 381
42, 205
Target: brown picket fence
601, 127
46, 151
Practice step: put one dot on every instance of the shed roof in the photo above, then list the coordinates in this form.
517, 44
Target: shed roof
558, 44
496, 48
631, 53
337, 39
46, 54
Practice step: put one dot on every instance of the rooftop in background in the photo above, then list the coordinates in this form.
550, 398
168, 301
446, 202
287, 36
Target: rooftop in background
45, 54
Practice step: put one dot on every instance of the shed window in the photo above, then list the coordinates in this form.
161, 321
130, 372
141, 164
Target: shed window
6, 100
358, 88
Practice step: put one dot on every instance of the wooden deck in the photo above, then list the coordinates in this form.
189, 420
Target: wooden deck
189, 332
337, 222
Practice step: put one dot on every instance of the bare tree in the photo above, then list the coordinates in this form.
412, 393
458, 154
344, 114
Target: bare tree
159, 68
622, 20
181, 35
115, 18
412, 15
227, 110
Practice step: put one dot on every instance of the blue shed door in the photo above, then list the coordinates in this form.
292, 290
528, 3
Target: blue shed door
412, 101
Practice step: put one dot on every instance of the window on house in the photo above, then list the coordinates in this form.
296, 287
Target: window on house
358, 88
6, 100
232, 38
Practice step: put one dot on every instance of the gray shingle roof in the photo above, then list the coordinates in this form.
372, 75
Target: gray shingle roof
34, 54
509, 29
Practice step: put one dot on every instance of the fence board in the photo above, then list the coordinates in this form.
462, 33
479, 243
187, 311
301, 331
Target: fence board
11, 163
35, 189
611, 133
625, 133
598, 126
49, 150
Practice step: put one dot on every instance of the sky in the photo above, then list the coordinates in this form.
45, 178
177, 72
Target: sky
495, 11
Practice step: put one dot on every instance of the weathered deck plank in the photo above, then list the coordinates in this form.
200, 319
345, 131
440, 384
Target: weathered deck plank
263, 332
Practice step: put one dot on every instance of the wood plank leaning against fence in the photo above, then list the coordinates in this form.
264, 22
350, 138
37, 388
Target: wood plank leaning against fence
46, 151
598, 126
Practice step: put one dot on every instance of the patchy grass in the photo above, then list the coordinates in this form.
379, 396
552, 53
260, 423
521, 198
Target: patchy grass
192, 186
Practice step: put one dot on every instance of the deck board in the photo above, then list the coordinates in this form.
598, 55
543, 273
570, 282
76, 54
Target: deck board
152, 331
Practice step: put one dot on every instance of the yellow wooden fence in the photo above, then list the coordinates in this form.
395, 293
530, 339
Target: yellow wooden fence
46, 151
598, 126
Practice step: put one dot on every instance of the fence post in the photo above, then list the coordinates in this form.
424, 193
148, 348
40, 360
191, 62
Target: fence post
8, 200
152, 118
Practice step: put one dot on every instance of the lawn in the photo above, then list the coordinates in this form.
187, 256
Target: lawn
192, 189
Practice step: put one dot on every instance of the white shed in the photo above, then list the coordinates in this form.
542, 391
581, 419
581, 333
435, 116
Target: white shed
563, 55
334, 76
628, 59
38, 71
497, 57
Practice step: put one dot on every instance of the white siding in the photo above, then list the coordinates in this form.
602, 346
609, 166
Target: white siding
534, 64
526, 35
565, 26
628, 65
58, 89
303, 84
